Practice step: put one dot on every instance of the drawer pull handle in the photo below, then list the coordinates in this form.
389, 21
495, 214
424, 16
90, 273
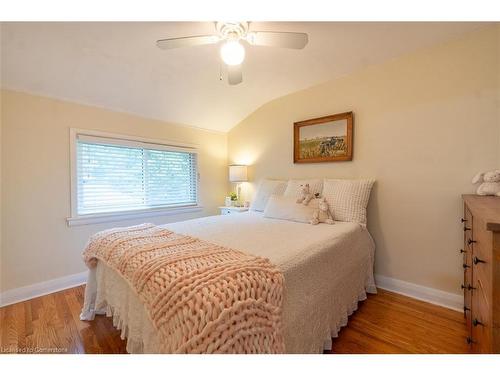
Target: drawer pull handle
470, 341
462, 251
462, 220
471, 241
477, 260
476, 322
466, 309
465, 266
466, 229
468, 287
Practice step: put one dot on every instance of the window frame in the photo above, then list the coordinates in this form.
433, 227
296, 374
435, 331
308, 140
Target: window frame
95, 218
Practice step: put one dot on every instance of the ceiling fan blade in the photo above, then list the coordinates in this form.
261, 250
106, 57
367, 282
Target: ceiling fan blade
187, 41
277, 39
234, 74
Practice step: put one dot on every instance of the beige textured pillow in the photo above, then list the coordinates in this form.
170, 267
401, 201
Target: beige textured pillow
348, 198
286, 208
265, 190
293, 187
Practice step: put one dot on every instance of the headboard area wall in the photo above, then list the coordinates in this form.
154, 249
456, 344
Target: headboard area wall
424, 124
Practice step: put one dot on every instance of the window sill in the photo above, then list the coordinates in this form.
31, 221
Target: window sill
130, 215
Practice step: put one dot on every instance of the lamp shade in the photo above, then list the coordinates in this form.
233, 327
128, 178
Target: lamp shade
238, 173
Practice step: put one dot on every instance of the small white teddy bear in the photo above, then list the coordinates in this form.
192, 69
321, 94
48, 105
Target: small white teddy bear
490, 182
322, 213
305, 195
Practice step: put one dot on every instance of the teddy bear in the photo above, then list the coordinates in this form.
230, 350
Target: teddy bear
490, 182
305, 195
322, 213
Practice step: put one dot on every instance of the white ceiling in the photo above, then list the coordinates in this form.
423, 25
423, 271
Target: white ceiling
118, 66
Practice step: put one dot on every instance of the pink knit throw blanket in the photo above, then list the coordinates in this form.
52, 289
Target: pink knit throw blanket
201, 297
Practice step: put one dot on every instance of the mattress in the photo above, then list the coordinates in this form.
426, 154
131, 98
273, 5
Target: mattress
327, 270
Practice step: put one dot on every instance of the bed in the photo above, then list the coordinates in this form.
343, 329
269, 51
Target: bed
327, 270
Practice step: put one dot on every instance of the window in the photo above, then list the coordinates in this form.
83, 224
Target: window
115, 175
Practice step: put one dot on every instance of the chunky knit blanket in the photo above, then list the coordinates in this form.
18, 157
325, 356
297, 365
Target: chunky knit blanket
201, 297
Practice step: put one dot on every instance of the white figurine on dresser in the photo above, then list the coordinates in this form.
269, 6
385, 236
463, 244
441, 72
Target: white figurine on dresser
490, 182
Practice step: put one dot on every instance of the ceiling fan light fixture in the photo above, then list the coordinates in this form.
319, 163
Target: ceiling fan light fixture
232, 52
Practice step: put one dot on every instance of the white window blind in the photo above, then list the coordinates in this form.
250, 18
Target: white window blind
115, 175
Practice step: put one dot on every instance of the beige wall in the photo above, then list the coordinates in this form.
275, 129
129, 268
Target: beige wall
37, 245
1, 183
424, 125
498, 98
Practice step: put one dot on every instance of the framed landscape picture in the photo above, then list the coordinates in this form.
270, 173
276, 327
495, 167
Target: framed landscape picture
323, 139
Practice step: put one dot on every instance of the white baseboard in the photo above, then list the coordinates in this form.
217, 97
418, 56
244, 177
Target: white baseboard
40, 289
423, 293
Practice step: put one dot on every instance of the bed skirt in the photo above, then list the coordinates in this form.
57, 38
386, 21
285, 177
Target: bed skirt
107, 293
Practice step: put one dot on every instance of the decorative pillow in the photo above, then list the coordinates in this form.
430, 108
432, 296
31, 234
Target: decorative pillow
348, 198
265, 190
293, 187
286, 208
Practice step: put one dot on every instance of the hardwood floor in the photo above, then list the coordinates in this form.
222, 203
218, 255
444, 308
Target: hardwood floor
385, 323
392, 323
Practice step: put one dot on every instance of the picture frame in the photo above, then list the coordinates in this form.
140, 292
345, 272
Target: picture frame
324, 139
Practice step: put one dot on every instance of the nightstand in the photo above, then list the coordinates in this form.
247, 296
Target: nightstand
232, 210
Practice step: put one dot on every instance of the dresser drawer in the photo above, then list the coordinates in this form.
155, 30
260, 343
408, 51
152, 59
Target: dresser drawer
482, 243
481, 294
467, 289
482, 269
480, 319
467, 259
468, 229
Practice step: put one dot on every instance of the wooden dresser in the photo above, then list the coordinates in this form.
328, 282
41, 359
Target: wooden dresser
481, 265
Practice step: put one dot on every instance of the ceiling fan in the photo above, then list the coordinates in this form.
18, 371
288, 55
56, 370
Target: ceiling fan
232, 52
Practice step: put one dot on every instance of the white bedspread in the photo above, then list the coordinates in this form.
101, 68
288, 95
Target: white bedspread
327, 270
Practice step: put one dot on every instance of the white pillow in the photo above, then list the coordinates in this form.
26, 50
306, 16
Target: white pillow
348, 198
293, 187
286, 208
265, 190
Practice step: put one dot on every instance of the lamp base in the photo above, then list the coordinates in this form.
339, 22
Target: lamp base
238, 191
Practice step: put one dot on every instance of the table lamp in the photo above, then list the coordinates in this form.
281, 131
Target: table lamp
238, 174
